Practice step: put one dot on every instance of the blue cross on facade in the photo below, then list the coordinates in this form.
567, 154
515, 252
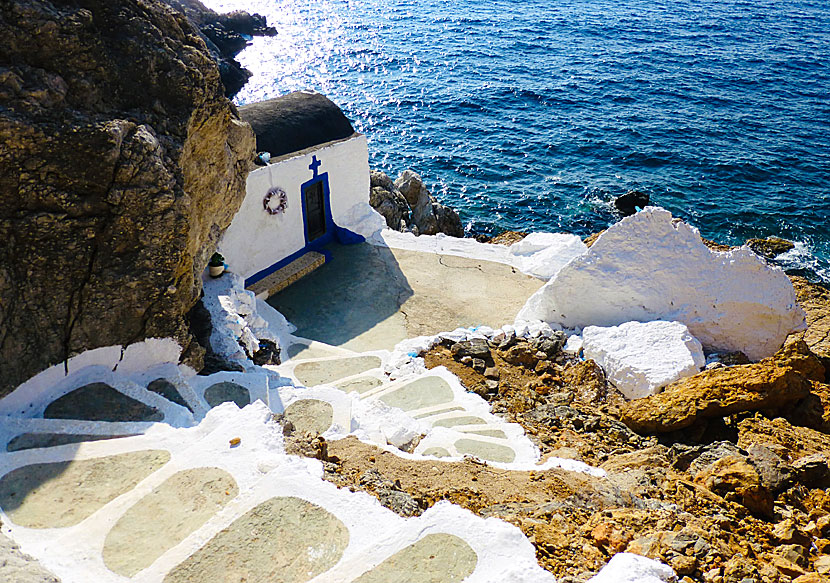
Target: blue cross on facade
315, 164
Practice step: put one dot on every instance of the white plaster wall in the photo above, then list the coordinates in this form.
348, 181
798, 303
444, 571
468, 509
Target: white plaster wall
256, 240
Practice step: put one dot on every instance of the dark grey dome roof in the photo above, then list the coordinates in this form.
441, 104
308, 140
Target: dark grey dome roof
294, 122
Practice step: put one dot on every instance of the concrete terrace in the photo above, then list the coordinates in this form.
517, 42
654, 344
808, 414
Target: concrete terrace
371, 297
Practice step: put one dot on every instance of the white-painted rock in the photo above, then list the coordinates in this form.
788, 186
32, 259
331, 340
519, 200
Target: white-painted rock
642, 357
631, 568
652, 267
235, 319
542, 255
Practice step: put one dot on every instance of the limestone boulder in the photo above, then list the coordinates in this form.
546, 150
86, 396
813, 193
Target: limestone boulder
426, 211
650, 266
388, 201
642, 357
737, 480
631, 568
447, 219
420, 201
815, 300
771, 384
121, 164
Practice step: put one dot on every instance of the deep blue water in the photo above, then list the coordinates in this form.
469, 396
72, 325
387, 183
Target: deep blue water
533, 114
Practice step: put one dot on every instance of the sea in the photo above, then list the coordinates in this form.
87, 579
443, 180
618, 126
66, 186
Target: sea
533, 115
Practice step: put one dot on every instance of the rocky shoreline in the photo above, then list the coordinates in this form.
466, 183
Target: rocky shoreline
408, 206
225, 35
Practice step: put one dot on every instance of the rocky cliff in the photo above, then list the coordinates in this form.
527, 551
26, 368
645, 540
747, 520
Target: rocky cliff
121, 163
225, 37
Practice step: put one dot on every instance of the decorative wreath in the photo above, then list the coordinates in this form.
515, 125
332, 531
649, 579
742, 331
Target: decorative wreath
275, 201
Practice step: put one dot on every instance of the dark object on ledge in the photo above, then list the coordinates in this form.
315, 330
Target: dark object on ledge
627, 203
295, 122
268, 353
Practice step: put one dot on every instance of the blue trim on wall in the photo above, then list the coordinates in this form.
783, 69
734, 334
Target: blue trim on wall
347, 237
282, 263
342, 235
324, 179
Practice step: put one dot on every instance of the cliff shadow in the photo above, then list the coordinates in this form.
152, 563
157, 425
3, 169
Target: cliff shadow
354, 300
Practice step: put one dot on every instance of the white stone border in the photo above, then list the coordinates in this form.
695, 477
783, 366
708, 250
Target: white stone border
255, 382
287, 369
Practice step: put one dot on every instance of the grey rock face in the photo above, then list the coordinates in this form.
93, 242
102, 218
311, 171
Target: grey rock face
407, 205
224, 36
388, 201
121, 165
416, 194
475, 348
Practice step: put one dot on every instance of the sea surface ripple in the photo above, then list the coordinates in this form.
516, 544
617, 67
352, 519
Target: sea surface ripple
534, 114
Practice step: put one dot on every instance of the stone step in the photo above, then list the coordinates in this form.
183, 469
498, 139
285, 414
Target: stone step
285, 276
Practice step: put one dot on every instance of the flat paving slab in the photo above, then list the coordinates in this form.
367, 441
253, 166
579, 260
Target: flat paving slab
39, 440
370, 298
61, 494
282, 539
310, 415
100, 402
316, 373
420, 393
436, 558
225, 392
163, 518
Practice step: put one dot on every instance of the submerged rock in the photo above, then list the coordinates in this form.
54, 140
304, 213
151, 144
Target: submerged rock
642, 357
122, 164
652, 267
815, 299
627, 203
771, 247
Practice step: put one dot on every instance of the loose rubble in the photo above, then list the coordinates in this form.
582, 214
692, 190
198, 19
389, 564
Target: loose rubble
735, 496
